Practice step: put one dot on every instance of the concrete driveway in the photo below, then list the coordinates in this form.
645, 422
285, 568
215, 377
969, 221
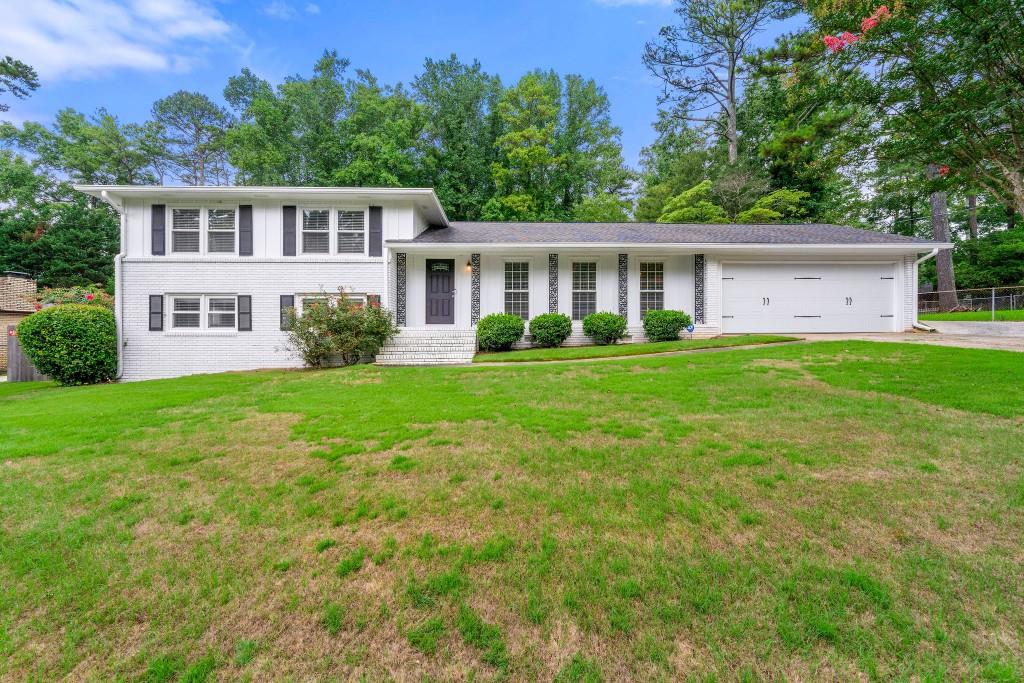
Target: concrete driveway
984, 339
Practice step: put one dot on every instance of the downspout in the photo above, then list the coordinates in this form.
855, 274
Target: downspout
118, 278
917, 324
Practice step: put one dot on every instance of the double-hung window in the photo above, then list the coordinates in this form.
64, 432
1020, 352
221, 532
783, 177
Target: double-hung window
517, 288
185, 229
220, 231
652, 287
351, 232
316, 231
204, 312
584, 289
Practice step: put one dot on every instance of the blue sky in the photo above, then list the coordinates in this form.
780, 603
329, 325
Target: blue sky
124, 54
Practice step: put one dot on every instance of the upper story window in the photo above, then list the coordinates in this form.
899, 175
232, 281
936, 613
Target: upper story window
652, 287
351, 232
188, 225
220, 231
185, 228
584, 289
517, 288
316, 231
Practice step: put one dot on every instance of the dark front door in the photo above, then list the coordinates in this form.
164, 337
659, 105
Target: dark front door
440, 291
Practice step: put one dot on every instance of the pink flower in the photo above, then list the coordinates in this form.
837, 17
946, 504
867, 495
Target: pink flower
89, 297
943, 171
38, 306
867, 24
882, 13
849, 38
833, 43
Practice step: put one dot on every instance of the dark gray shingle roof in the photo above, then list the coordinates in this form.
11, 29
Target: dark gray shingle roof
654, 233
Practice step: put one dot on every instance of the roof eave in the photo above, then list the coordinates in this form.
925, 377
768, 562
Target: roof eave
684, 246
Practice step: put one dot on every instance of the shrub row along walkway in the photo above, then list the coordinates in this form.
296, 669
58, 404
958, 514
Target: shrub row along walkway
625, 351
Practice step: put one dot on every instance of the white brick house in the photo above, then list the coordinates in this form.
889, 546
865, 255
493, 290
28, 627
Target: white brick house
205, 273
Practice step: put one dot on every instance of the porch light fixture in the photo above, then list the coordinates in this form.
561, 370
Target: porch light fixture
469, 266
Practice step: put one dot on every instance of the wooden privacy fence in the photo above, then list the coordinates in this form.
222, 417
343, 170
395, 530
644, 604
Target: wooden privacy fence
19, 367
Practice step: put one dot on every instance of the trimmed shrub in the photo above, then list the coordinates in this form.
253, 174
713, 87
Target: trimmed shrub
338, 331
499, 331
72, 343
550, 329
605, 328
664, 325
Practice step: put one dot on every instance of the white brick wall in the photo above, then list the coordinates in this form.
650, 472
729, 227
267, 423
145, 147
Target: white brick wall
171, 353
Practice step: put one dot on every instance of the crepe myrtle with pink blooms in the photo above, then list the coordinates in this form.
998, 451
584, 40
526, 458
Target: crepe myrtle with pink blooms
845, 39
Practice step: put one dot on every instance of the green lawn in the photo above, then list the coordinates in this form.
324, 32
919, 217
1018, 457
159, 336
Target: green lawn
975, 315
839, 510
575, 352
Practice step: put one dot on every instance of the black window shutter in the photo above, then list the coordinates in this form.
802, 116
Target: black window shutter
159, 229
287, 301
288, 235
376, 230
245, 230
244, 313
156, 312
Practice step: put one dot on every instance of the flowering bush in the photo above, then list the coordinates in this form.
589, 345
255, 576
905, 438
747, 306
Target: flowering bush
91, 295
336, 330
72, 343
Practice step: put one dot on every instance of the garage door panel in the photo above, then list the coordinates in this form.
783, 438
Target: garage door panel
807, 297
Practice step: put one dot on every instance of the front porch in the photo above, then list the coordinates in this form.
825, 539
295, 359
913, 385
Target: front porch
449, 289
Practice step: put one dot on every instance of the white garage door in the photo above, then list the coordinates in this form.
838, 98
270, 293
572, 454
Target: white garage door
808, 297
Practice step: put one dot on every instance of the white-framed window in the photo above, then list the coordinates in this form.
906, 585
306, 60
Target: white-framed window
304, 301
186, 226
221, 228
652, 286
517, 288
351, 231
316, 231
204, 312
186, 312
584, 289
220, 312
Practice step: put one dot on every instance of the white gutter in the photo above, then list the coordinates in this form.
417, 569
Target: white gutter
118, 278
918, 325
896, 248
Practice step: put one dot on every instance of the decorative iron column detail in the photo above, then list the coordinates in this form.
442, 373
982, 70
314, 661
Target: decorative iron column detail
552, 283
623, 285
400, 277
698, 289
474, 277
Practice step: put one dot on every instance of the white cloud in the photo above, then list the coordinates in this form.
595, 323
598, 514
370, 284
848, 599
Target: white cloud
85, 38
312, 8
279, 10
634, 3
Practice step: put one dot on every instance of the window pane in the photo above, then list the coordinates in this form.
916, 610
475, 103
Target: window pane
221, 241
652, 276
350, 220
221, 219
350, 242
651, 301
221, 312
185, 312
584, 277
316, 242
185, 219
185, 241
583, 304
316, 219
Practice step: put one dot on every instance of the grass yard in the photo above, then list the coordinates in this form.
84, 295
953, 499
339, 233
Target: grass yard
612, 350
983, 316
829, 511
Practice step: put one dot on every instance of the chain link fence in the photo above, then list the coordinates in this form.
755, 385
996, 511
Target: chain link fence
999, 303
